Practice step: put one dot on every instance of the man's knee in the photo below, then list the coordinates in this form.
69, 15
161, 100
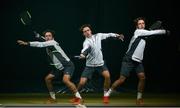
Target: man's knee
106, 74
141, 76
82, 81
122, 78
66, 79
49, 77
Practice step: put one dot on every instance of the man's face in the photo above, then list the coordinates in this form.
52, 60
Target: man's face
48, 36
87, 32
141, 24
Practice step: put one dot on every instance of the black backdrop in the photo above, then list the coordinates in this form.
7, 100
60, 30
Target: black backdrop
23, 68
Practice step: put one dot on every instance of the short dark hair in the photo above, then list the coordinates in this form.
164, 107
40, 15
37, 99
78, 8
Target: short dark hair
49, 30
137, 19
85, 25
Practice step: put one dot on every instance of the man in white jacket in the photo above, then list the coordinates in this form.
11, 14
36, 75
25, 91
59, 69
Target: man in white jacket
94, 57
134, 56
60, 64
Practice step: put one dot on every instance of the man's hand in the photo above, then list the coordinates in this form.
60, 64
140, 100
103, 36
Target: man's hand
120, 36
82, 56
168, 32
20, 42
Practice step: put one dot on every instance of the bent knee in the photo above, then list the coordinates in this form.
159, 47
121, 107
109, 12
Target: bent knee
106, 74
48, 77
82, 82
122, 78
66, 80
141, 76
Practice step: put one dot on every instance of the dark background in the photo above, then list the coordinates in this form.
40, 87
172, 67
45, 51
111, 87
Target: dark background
23, 68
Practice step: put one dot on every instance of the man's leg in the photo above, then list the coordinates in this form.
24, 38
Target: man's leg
126, 68
70, 85
82, 82
48, 80
107, 82
117, 83
140, 88
77, 99
68, 72
86, 74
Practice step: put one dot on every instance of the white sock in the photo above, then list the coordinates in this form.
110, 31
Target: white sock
52, 94
139, 95
78, 95
108, 92
105, 91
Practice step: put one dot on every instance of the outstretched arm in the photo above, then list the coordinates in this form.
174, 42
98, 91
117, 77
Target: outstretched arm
107, 35
142, 33
36, 43
20, 42
120, 36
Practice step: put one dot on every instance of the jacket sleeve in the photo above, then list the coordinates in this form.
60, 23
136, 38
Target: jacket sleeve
106, 35
145, 33
86, 48
41, 44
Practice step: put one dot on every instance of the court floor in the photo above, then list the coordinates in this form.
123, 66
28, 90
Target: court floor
90, 100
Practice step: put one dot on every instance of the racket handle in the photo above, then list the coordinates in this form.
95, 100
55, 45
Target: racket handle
42, 37
76, 56
37, 35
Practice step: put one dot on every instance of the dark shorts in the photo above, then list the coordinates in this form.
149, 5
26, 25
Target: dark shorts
88, 71
68, 70
129, 65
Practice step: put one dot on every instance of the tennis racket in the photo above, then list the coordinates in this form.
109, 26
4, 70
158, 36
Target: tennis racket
156, 25
26, 20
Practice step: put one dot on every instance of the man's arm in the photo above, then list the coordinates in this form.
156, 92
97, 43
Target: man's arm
20, 42
36, 43
107, 35
86, 49
142, 33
